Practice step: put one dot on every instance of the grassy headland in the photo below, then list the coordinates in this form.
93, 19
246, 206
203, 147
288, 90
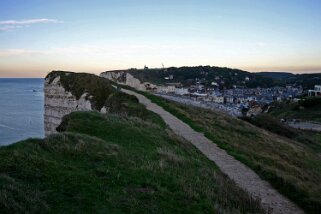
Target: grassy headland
292, 167
125, 161
115, 164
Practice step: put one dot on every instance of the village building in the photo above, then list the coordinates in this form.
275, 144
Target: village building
181, 91
165, 89
218, 99
316, 92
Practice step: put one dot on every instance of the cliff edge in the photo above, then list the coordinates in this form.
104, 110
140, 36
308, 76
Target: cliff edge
66, 92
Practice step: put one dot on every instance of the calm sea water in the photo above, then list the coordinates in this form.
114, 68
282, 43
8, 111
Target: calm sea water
21, 109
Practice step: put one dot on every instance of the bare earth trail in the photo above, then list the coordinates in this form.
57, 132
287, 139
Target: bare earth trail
271, 200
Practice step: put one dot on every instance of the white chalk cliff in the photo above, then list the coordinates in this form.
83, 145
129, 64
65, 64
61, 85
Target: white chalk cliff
123, 77
59, 102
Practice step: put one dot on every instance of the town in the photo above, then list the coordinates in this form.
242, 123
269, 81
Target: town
235, 101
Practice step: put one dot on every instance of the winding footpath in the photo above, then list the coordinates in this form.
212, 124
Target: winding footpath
244, 177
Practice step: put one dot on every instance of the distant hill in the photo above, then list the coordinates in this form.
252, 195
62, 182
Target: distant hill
276, 75
306, 80
207, 75
223, 77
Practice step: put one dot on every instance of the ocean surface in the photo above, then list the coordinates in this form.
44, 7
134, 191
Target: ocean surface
21, 109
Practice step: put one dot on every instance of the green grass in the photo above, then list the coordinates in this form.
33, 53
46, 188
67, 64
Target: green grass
128, 105
114, 164
291, 167
310, 139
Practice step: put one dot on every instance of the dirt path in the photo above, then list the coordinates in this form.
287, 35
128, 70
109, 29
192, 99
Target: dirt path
244, 177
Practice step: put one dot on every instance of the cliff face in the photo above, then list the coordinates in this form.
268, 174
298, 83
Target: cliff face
123, 77
66, 92
59, 102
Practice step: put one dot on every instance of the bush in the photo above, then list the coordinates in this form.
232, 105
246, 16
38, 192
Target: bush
311, 102
271, 124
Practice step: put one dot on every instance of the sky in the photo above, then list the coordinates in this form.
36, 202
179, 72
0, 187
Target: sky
38, 36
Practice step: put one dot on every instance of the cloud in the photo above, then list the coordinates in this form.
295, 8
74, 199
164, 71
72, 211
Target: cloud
17, 52
99, 50
10, 25
29, 21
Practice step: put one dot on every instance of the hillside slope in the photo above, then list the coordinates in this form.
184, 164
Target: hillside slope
114, 164
292, 167
306, 109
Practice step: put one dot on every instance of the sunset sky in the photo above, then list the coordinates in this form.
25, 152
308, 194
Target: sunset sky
38, 36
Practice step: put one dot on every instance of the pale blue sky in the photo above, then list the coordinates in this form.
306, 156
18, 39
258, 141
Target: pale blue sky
38, 36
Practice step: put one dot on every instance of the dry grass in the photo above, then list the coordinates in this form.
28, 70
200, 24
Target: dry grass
169, 156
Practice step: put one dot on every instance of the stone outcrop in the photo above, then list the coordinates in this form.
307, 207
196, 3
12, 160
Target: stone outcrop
123, 77
59, 102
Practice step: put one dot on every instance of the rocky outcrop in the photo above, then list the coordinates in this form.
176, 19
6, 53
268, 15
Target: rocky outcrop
123, 77
59, 102
66, 92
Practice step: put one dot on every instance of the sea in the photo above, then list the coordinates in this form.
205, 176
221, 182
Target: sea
21, 109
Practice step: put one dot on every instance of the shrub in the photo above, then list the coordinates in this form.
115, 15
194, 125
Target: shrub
271, 124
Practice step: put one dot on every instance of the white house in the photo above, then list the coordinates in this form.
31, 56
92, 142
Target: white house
165, 89
316, 92
229, 99
171, 89
218, 99
181, 91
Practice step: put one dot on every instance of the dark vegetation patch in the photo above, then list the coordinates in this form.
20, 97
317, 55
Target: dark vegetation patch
311, 102
307, 81
272, 124
308, 108
208, 74
13, 192
205, 74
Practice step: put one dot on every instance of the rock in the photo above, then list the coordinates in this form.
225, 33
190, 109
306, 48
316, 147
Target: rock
59, 102
103, 110
123, 77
